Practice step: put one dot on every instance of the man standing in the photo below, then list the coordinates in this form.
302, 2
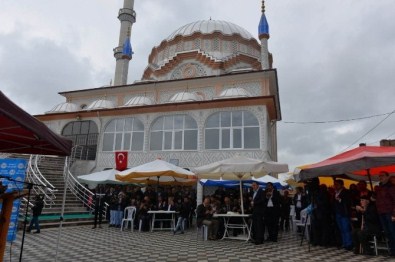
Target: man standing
385, 203
258, 210
342, 205
99, 205
272, 211
37, 209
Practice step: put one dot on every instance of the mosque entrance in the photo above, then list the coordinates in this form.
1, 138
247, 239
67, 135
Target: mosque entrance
84, 135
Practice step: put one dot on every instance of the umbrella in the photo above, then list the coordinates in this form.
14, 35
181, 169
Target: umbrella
102, 177
262, 181
239, 168
360, 163
157, 172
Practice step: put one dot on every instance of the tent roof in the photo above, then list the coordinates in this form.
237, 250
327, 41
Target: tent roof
22, 133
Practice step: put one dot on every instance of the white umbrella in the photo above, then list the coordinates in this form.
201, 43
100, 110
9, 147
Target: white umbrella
102, 177
239, 168
157, 172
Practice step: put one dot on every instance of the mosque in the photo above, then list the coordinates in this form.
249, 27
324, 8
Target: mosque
209, 92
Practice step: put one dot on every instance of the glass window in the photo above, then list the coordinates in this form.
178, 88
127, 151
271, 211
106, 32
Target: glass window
77, 128
126, 134
232, 130
156, 140
251, 137
213, 121
225, 119
225, 138
85, 127
212, 139
83, 134
173, 131
237, 118
138, 141
108, 142
250, 119
190, 141
237, 140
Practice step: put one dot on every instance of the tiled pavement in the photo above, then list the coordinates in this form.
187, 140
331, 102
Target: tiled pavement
84, 244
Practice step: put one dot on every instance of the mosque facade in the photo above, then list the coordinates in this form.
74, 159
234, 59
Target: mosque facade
209, 92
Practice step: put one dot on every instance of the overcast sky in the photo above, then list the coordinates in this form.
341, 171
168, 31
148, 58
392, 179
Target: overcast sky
335, 59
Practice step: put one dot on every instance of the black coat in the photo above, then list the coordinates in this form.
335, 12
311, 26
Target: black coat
38, 207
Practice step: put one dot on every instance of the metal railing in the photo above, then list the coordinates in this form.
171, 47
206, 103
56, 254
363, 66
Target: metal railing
80, 191
34, 175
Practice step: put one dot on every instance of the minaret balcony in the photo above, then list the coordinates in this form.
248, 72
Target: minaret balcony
118, 52
127, 14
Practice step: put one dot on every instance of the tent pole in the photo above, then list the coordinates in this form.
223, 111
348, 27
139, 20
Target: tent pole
370, 180
66, 178
241, 197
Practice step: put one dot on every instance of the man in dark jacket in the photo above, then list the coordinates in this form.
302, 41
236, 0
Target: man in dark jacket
272, 211
37, 209
385, 203
204, 216
342, 206
258, 210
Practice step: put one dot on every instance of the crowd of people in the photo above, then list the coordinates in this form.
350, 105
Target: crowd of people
118, 197
346, 218
349, 218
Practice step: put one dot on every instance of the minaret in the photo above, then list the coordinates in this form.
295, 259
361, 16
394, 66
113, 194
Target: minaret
123, 53
263, 32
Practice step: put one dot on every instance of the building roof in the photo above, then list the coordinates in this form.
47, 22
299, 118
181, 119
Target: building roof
210, 26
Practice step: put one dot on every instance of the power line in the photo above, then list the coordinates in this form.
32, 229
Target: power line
370, 130
336, 121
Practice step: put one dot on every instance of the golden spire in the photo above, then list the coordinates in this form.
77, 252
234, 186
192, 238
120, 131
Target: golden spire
263, 6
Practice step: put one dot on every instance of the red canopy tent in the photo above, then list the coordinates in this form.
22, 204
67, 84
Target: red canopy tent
360, 163
22, 133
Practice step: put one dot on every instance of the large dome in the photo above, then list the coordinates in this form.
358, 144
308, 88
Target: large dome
203, 48
210, 26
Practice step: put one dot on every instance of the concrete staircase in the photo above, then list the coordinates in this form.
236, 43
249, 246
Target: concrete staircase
75, 213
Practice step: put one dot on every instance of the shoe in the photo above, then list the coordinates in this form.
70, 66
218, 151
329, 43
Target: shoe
182, 232
36, 232
174, 232
350, 248
99, 226
93, 227
258, 242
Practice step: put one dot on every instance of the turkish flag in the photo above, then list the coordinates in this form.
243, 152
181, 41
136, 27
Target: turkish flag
121, 160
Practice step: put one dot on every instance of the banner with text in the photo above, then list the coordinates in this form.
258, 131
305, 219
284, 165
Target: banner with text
15, 169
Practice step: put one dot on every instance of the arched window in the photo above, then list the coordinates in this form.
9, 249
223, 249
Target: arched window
84, 135
124, 134
175, 132
232, 130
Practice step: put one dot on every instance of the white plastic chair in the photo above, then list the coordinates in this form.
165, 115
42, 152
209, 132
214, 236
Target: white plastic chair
129, 215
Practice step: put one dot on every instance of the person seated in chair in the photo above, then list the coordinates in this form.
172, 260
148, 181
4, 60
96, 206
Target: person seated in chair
370, 226
204, 216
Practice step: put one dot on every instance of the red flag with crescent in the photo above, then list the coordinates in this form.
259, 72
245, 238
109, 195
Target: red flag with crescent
121, 160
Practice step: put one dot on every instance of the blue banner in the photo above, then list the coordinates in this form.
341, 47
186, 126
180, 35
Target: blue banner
15, 169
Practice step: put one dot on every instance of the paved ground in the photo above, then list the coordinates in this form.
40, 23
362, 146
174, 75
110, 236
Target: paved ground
84, 244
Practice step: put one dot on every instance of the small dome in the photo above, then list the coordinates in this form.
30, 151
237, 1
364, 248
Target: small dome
184, 97
101, 104
209, 27
64, 108
234, 92
138, 101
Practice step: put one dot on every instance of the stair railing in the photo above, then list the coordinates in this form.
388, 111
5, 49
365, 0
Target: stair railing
35, 176
80, 191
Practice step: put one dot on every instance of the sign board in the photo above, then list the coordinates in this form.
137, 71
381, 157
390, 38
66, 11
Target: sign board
15, 169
